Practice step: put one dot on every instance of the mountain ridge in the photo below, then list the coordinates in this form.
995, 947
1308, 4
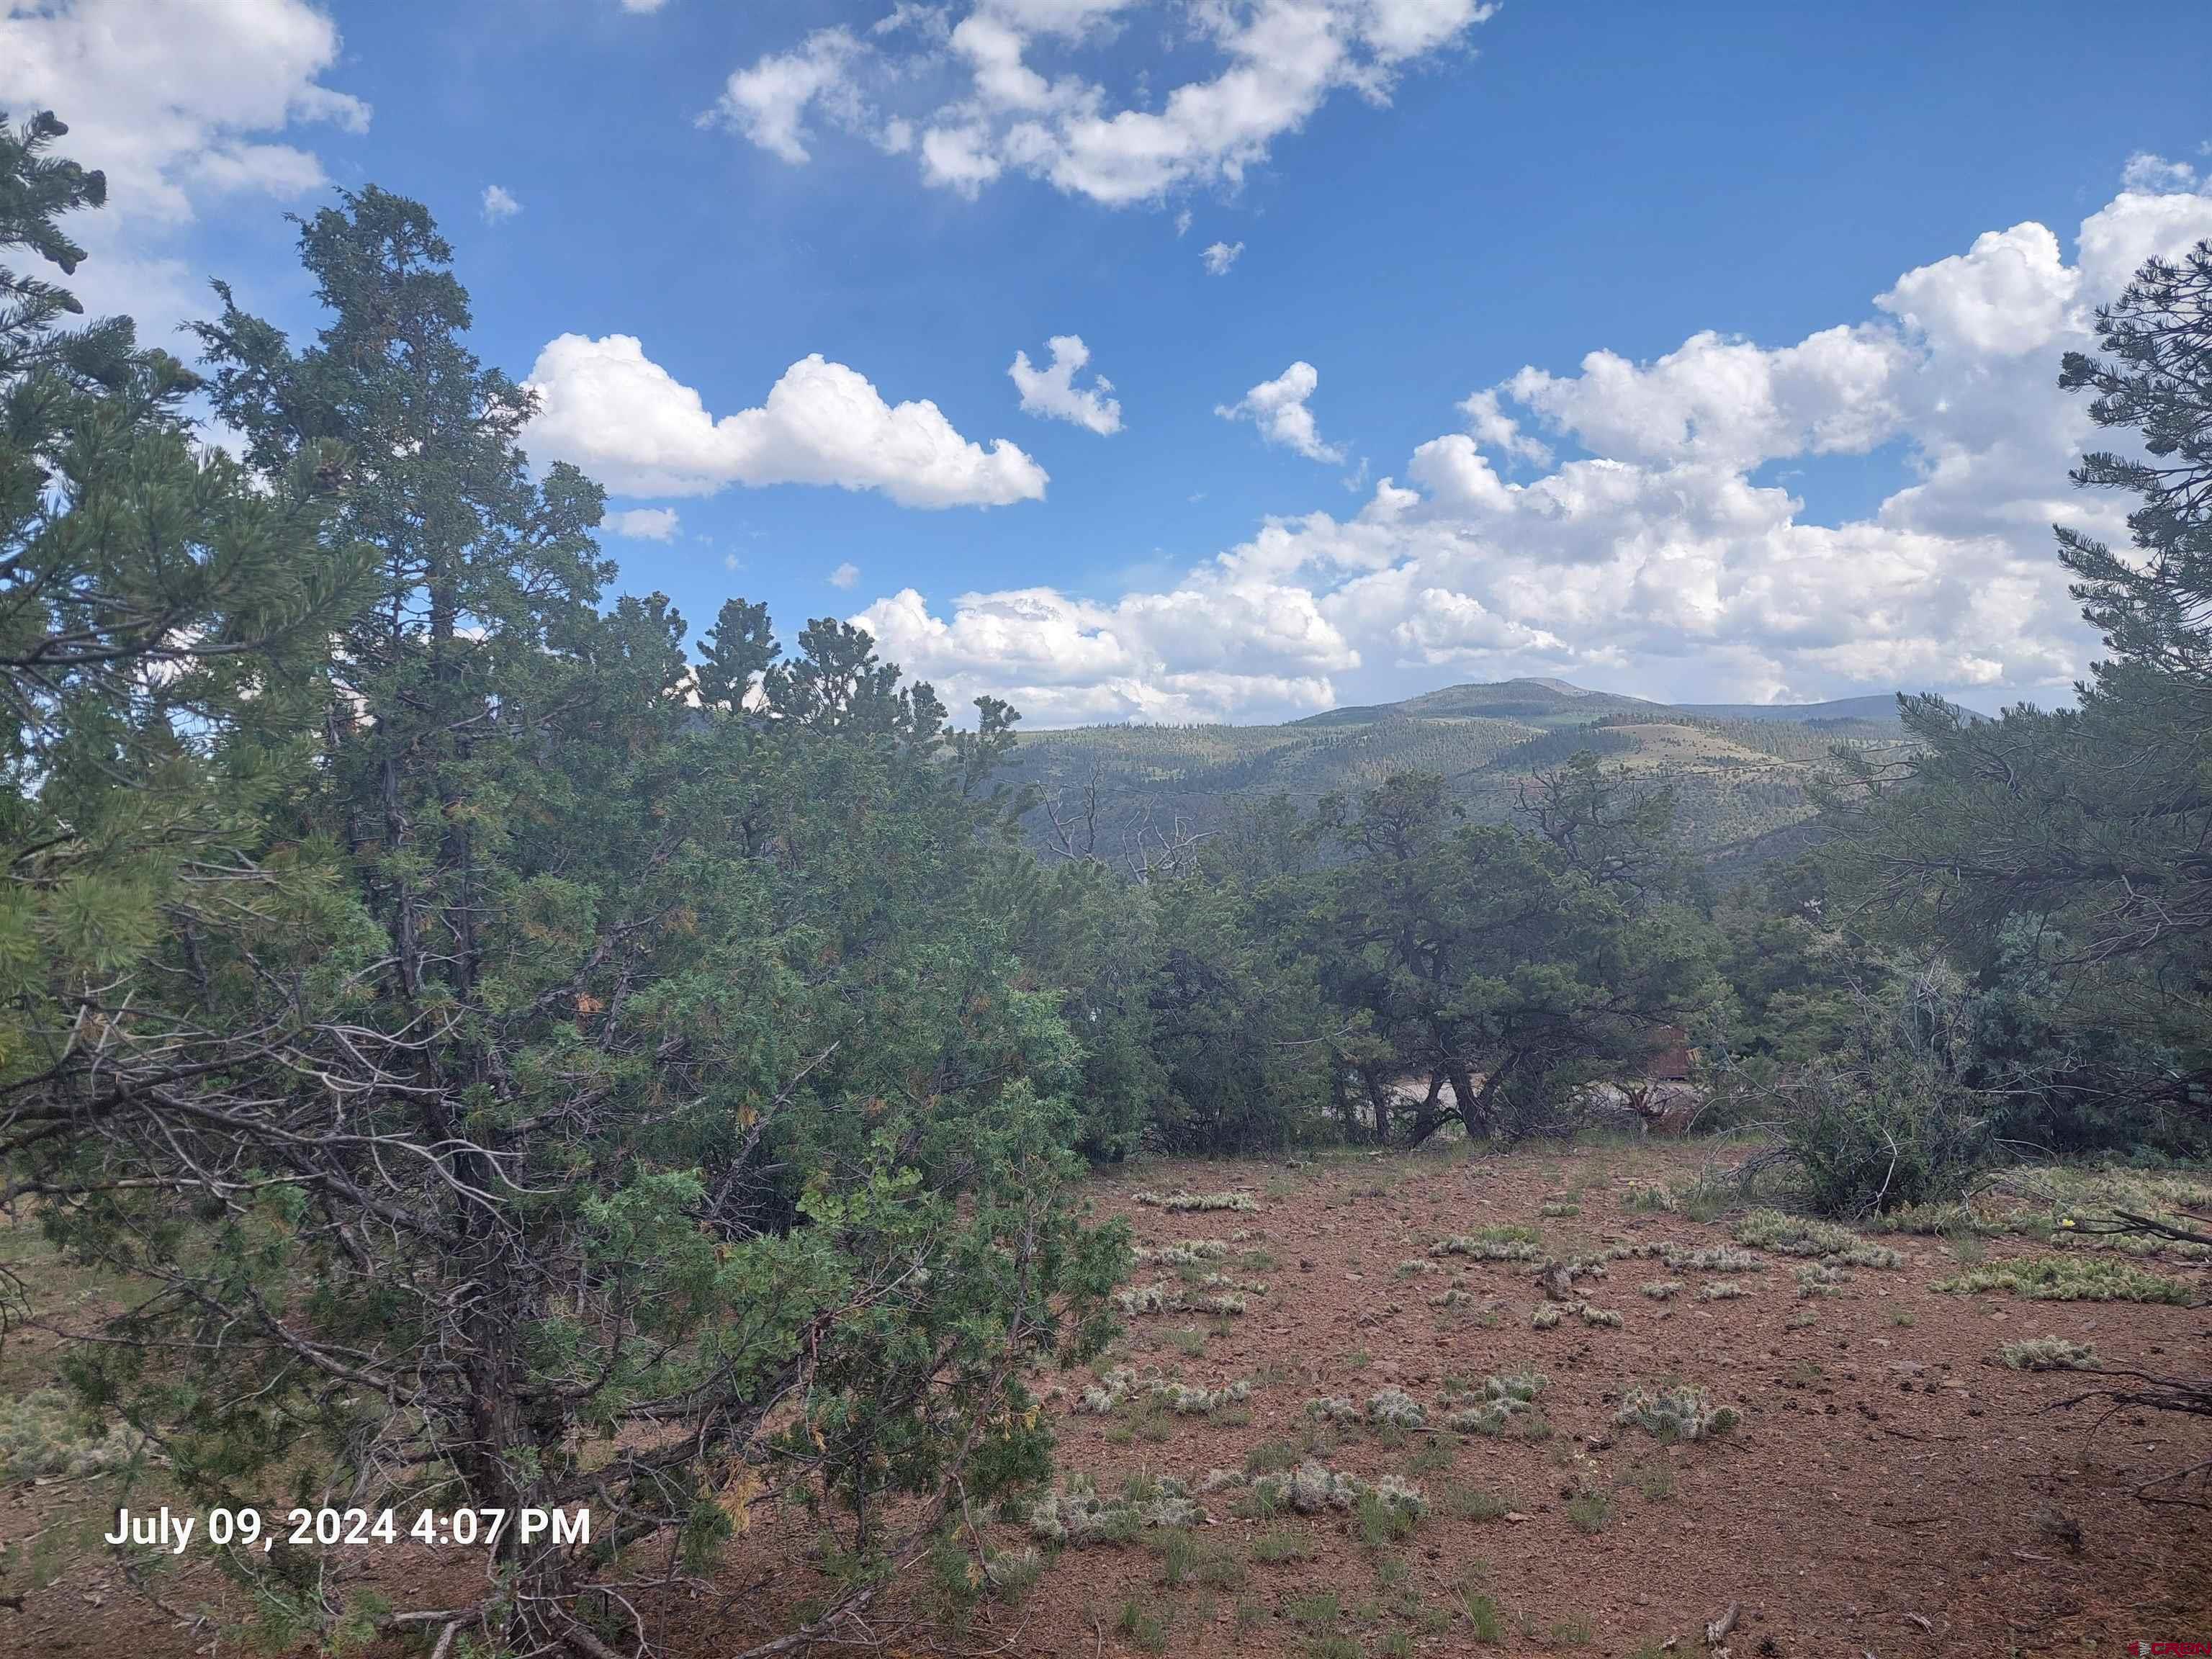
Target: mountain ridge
1739, 771
1464, 700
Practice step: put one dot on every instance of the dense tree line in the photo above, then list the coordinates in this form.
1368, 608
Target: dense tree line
515, 1057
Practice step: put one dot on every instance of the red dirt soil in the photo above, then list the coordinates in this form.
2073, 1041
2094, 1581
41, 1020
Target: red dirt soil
1892, 1489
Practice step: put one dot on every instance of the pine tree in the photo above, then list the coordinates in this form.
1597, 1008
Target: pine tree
623, 1069
162, 621
2066, 850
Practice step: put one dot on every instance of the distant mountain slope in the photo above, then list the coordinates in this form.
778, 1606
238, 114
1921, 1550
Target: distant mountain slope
1542, 703
1739, 770
1882, 708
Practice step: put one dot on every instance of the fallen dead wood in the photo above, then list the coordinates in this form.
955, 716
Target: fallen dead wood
1717, 1630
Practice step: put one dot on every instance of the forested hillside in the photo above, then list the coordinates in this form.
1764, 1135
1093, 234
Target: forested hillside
1737, 775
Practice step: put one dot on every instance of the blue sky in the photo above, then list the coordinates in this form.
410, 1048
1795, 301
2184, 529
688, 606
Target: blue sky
1775, 487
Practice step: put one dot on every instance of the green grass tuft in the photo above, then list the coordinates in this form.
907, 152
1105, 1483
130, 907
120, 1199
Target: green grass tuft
1482, 1613
1589, 1511
1145, 1630
1475, 1503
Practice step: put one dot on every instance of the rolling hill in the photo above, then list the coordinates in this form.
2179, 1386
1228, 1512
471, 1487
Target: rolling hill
1739, 770
1882, 708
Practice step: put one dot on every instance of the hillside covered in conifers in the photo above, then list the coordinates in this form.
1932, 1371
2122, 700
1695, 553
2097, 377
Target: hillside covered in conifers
1739, 771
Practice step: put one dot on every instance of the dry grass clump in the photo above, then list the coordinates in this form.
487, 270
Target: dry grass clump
1714, 1259
1662, 1290
1589, 1511
1717, 1259
1123, 1383
1160, 1298
1198, 1202
2070, 1278
2049, 1353
1010, 1573
1797, 1235
43, 1437
1492, 1244
1547, 1315
1722, 1290
1183, 1253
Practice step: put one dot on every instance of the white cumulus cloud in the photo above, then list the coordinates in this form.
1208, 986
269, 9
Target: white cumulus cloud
1278, 407
768, 103
845, 575
2145, 171
499, 204
1493, 428
1655, 552
1219, 258
172, 97
1723, 398
2008, 293
1032, 102
1215, 647
178, 101
1051, 392
642, 524
629, 423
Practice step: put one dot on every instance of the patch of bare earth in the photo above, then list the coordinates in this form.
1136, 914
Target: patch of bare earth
1891, 1488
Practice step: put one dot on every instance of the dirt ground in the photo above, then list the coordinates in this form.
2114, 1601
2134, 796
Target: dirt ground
1892, 1488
